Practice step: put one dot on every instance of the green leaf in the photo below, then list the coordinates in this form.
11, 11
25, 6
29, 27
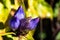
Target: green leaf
6, 38
58, 36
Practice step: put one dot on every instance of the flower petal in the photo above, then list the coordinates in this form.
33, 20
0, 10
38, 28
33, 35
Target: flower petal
19, 13
14, 23
33, 23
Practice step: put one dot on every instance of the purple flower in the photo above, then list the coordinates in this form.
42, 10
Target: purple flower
19, 21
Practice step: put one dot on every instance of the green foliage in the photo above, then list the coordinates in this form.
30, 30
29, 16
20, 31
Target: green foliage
58, 36
56, 9
6, 38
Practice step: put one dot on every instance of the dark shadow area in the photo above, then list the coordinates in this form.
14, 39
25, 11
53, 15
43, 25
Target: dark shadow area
53, 2
2, 25
47, 28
